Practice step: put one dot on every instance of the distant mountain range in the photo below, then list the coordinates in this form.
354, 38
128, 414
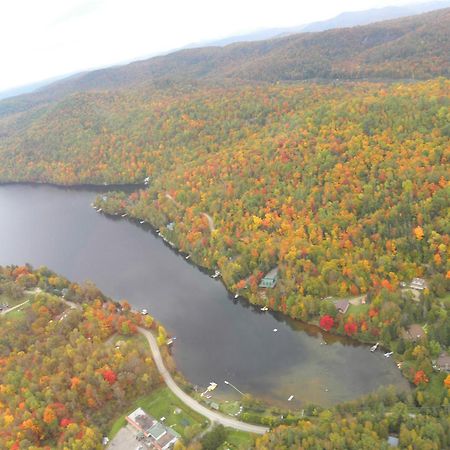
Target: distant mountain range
416, 47
346, 19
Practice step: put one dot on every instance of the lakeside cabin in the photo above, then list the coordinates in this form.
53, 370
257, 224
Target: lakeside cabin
342, 306
270, 279
413, 333
443, 362
418, 283
153, 433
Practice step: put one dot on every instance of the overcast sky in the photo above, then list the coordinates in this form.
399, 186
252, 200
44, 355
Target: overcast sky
40, 39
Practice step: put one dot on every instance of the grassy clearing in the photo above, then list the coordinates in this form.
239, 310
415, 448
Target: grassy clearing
162, 403
230, 408
238, 440
358, 309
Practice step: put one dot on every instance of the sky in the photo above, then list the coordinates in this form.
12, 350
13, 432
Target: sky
41, 39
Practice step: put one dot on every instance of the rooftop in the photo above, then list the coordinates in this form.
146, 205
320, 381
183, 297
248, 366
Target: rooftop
342, 305
273, 273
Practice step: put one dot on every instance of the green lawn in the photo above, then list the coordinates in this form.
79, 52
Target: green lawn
229, 407
162, 403
355, 310
13, 302
238, 440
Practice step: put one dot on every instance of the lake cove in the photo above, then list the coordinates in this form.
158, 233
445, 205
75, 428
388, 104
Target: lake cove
218, 338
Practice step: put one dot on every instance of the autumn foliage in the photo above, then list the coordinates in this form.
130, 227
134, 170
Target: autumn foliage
326, 322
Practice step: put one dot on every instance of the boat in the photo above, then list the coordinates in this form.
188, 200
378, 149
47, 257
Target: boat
124, 215
388, 354
264, 308
290, 398
275, 330
216, 274
144, 312
99, 210
236, 295
374, 347
157, 230
187, 257
142, 221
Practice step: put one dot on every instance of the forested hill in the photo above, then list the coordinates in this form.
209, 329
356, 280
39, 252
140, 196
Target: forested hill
416, 47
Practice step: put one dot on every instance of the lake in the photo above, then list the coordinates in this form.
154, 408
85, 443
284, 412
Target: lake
217, 338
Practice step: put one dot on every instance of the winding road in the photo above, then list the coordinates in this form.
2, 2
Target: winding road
189, 401
213, 416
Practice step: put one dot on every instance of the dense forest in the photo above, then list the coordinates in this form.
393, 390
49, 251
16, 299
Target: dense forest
61, 380
343, 187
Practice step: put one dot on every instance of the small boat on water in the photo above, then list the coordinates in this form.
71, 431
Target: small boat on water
290, 398
142, 221
124, 215
187, 257
157, 230
275, 330
388, 354
144, 312
236, 295
264, 308
99, 210
216, 274
374, 347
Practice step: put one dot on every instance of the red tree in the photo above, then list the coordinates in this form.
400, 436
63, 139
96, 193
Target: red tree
326, 322
350, 328
420, 377
109, 376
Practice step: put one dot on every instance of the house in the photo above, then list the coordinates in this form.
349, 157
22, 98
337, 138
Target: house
443, 362
392, 441
342, 306
413, 333
270, 279
418, 283
155, 435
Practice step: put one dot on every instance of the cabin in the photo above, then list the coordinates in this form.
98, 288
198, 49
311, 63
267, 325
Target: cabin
342, 306
153, 433
413, 333
418, 283
443, 362
392, 441
270, 279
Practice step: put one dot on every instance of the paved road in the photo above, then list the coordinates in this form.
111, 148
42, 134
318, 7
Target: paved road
6, 311
189, 401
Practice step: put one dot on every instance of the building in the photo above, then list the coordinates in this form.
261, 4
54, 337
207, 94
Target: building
270, 279
443, 362
418, 283
413, 333
342, 306
392, 441
151, 433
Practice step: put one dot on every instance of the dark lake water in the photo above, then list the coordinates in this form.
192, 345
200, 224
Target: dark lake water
217, 339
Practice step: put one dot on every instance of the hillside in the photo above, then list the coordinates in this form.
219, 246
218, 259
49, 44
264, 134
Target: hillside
312, 178
413, 48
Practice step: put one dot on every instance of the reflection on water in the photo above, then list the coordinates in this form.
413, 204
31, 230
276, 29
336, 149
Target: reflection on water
218, 338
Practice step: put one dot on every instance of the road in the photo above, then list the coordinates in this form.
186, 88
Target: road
210, 221
189, 401
6, 311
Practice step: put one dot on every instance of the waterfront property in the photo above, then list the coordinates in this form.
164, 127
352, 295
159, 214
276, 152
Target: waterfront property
150, 432
270, 279
418, 283
413, 333
443, 362
342, 306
